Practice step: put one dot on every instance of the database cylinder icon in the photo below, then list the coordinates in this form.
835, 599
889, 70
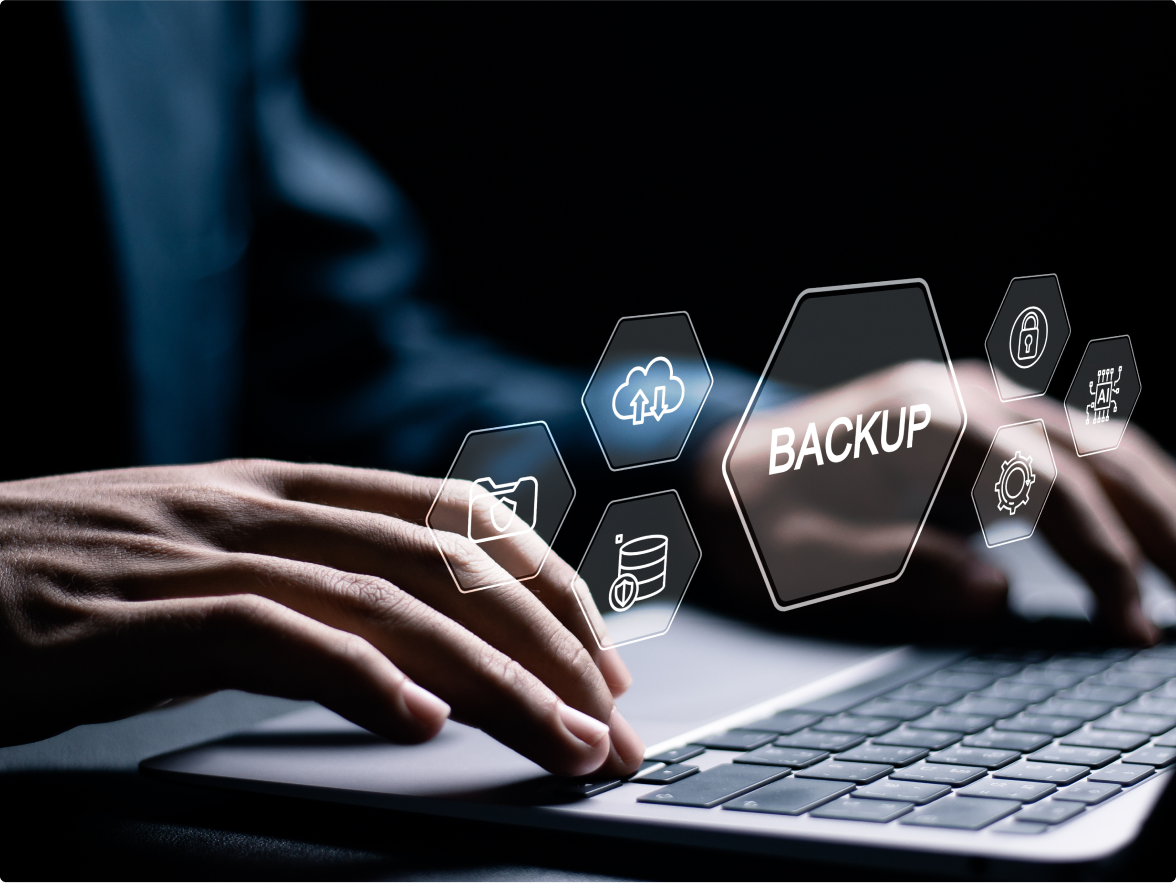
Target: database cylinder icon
641, 571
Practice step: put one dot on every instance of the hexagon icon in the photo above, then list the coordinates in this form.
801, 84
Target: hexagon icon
1025, 342
1103, 395
637, 568
647, 390
507, 492
846, 440
1014, 482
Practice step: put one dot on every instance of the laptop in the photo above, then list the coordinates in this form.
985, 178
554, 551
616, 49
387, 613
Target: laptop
902, 757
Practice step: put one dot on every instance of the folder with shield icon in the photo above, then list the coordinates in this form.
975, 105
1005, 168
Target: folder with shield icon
498, 511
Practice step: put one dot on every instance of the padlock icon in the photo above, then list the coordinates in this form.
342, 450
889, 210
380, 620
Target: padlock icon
1027, 337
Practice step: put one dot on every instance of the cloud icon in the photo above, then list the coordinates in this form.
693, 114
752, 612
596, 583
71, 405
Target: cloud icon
648, 391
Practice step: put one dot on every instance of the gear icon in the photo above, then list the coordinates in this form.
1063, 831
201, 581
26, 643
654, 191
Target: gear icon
1016, 478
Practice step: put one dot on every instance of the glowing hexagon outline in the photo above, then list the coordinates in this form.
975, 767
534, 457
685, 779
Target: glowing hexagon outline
697, 413
755, 393
588, 548
992, 327
1126, 422
976, 483
449, 474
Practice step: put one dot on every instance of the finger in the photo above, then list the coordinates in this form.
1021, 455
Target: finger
510, 617
200, 645
1082, 524
410, 498
1140, 481
945, 578
485, 687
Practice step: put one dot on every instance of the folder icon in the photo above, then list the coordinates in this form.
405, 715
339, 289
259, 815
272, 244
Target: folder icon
498, 511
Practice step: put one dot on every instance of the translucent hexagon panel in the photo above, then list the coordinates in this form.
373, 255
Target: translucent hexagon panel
845, 442
1025, 342
1103, 395
506, 495
637, 568
647, 390
1014, 482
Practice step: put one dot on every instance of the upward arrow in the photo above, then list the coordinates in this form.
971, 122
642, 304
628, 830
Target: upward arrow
639, 410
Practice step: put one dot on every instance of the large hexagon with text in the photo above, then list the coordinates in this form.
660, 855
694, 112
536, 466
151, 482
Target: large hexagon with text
844, 445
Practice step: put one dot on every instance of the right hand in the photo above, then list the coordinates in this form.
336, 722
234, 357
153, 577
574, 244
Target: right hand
122, 589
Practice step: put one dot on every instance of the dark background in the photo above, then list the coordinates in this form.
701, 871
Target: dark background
576, 163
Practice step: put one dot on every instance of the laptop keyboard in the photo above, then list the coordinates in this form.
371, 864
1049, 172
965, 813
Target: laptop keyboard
1019, 742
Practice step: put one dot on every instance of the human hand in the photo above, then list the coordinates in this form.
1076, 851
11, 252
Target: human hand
121, 589
1100, 512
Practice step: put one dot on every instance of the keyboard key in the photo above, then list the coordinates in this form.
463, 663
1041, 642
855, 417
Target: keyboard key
960, 723
1012, 826
958, 680
1051, 812
674, 755
854, 810
1149, 704
997, 667
1008, 789
1083, 709
820, 741
1009, 740
902, 709
904, 792
1141, 680
967, 813
930, 695
858, 773
1084, 756
1167, 739
1120, 740
987, 705
940, 773
1088, 792
1168, 690
790, 797
772, 755
1053, 724
670, 773
930, 739
738, 740
1087, 665
1058, 773
716, 785
1163, 651
590, 788
1139, 723
1155, 755
893, 755
1151, 664
1014, 690
853, 723
1045, 677
1124, 774
784, 722
964, 755
1100, 693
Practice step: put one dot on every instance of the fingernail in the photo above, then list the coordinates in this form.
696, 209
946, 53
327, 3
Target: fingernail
1143, 628
584, 727
627, 747
981, 573
423, 705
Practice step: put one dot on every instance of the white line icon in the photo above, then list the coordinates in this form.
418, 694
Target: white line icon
639, 406
1104, 392
499, 515
1016, 478
641, 570
1028, 336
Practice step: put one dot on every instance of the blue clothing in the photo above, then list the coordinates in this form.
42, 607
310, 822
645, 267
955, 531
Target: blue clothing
267, 267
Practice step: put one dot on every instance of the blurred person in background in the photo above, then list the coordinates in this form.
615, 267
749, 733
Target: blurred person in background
269, 300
